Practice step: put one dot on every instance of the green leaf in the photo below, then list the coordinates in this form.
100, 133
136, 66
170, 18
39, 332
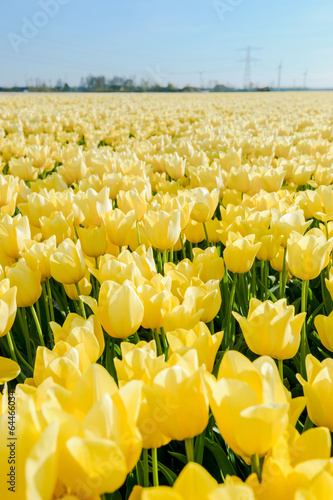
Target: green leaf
221, 458
182, 458
167, 473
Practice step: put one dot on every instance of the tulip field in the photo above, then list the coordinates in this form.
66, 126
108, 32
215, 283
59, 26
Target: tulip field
166, 296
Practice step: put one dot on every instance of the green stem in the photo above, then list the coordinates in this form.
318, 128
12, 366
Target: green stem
96, 262
47, 312
155, 466
165, 343
228, 333
110, 358
183, 246
283, 280
253, 280
145, 468
326, 230
265, 279
37, 323
255, 466
280, 365
171, 254
165, 259
11, 346
136, 337
211, 327
138, 234
157, 342
189, 449
50, 299
160, 263
304, 341
23, 323
206, 234
83, 311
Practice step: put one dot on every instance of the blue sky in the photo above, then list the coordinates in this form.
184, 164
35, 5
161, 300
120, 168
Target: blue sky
167, 40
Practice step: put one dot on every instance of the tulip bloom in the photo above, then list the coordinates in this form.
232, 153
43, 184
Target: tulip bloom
67, 263
319, 390
184, 413
133, 200
307, 255
272, 329
119, 308
204, 204
208, 263
239, 254
27, 283
162, 229
119, 226
8, 306
324, 326
9, 370
93, 240
14, 232
249, 404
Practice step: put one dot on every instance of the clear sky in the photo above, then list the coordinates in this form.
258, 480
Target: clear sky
167, 40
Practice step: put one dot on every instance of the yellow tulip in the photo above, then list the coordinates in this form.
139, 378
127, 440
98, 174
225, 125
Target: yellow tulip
209, 264
198, 338
119, 226
8, 306
319, 390
22, 168
133, 200
162, 229
93, 205
14, 232
119, 308
249, 404
85, 287
272, 329
27, 283
57, 225
184, 411
93, 240
153, 302
67, 263
206, 296
285, 224
37, 256
9, 370
204, 204
240, 253
307, 255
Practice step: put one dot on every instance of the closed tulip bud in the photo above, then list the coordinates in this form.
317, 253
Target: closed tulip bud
206, 296
183, 402
119, 309
194, 231
213, 227
14, 232
277, 261
239, 254
133, 200
204, 204
67, 263
27, 283
119, 226
307, 255
318, 390
38, 256
270, 245
58, 225
209, 264
9, 369
8, 306
162, 229
22, 168
272, 329
249, 404
324, 326
93, 240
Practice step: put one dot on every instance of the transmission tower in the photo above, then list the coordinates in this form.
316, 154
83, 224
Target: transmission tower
248, 62
279, 76
305, 74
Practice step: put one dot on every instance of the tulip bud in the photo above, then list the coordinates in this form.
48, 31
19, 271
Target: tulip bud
67, 263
